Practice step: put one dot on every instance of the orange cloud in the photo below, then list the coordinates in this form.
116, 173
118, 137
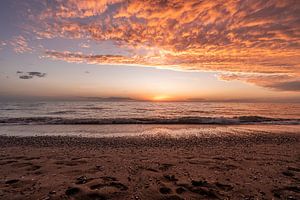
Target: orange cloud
76, 9
92, 59
237, 36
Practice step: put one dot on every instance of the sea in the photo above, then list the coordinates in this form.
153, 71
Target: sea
134, 118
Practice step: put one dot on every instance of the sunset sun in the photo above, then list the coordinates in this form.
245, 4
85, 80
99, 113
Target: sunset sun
161, 98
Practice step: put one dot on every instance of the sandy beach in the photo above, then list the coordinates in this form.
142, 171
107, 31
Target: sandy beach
237, 167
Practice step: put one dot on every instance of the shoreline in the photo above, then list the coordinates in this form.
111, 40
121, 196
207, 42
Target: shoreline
236, 167
146, 130
148, 141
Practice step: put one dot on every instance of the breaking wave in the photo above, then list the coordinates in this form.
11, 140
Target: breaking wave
178, 120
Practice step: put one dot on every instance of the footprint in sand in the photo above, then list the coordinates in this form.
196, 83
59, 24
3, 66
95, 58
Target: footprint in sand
33, 168
288, 192
288, 173
171, 197
12, 181
70, 163
293, 169
224, 187
200, 187
165, 166
180, 190
81, 194
117, 185
72, 191
224, 167
165, 190
31, 158
93, 196
109, 178
19, 165
8, 162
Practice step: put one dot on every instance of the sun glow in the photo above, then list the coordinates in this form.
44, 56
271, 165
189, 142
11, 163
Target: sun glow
161, 98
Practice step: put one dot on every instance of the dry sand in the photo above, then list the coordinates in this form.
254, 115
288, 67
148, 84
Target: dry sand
252, 167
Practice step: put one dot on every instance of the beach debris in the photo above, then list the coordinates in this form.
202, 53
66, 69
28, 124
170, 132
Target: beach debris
82, 180
170, 177
52, 192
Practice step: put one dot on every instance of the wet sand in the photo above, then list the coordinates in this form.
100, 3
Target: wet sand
237, 167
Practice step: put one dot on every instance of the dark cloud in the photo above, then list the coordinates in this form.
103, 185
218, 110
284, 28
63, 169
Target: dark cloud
37, 74
30, 75
274, 81
25, 77
287, 86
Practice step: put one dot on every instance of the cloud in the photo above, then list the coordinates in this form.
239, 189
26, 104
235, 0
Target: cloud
212, 63
30, 75
234, 36
25, 77
20, 45
37, 74
2, 44
273, 81
290, 86
77, 9
84, 45
79, 57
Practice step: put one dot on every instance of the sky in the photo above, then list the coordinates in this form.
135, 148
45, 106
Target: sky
151, 49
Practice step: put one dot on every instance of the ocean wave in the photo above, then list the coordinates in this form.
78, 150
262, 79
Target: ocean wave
177, 120
62, 112
94, 108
